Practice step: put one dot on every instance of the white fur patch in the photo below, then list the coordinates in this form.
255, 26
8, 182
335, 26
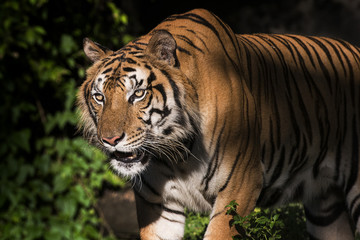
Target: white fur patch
127, 169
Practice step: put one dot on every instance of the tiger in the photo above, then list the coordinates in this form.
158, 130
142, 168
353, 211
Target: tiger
196, 116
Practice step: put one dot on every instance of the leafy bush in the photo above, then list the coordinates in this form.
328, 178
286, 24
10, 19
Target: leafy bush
195, 226
287, 222
258, 224
49, 177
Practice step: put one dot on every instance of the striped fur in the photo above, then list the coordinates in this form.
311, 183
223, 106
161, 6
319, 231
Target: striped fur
197, 116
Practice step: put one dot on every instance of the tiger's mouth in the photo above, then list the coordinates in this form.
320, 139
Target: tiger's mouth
130, 157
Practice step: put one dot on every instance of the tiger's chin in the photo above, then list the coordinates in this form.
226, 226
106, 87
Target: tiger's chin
128, 164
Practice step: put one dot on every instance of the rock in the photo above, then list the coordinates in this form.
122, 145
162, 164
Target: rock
119, 211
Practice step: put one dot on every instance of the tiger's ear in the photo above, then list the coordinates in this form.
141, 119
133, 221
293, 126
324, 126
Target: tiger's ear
162, 45
95, 51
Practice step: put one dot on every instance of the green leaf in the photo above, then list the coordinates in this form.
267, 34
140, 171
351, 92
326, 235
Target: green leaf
25, 170
66, 205
21, 139
78, 193
61, 183
67, 44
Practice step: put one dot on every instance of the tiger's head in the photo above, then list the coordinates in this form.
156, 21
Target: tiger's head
136, 104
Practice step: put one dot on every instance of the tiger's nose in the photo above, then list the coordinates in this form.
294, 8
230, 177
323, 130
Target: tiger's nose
113, 140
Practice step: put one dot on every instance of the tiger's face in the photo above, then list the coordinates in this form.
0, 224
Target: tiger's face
132, 103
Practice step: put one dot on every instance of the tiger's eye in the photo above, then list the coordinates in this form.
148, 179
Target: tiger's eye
139, 93
99, 97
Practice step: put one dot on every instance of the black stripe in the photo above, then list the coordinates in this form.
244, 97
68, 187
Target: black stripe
299, 162
298, 59
215, 123
135, 53
264, 65
183, 50
168, 131
279, 167
147, 122
171, 220
216, 215
130, 60
119, 83
173, 211
148, 103
273, 198
151, 78
230, 35
337, 54
87, 101
272, 149
260, 62
158, 237
164, 113
249, 67
272, 84
189, 42
281, 58
161, 90
133, 45
356, 55
232, 171
174, 88
104, 49
196, 35
323, 68
129, 69
286, 43
328, 55
92, 49
351, 70
353, 202
305, 115
356, 214
107, 70
323, 151
148, 67
299, 191
202, 21
306, 49
212, 166
293, 117
112, 61
325, 219
338, 159
354, 158
291, 158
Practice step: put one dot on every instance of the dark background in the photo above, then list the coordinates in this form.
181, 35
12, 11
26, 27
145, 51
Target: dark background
334, 18
50, 179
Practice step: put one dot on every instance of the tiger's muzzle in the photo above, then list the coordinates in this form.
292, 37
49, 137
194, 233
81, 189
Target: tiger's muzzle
130, 157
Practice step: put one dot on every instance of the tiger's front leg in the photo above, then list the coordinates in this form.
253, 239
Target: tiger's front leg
244, 187
159, 222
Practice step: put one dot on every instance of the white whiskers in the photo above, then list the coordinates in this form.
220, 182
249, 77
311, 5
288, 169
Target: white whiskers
170, 149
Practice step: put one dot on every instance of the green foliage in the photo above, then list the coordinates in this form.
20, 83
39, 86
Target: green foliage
287, 222
258, 224
49, 177
195, 226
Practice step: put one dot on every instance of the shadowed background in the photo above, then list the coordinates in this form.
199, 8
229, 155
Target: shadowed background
52, 184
